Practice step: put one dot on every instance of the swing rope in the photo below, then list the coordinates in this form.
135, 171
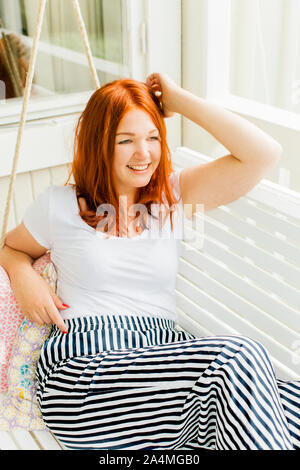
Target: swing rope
27, 91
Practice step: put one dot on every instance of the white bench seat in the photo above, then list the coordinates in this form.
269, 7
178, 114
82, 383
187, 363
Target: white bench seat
244, 280
28, 440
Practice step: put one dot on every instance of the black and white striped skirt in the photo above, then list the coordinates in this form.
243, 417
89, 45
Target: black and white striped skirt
121, 382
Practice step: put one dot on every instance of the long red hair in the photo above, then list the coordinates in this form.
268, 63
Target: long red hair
94, 146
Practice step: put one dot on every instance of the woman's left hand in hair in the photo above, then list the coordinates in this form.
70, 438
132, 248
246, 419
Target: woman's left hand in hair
165, 89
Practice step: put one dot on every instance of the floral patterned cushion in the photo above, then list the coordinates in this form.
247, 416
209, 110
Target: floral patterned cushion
10, 320
11, 317
19, 408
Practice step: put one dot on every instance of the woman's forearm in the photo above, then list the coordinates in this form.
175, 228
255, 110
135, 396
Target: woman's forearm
15, 262
244, 140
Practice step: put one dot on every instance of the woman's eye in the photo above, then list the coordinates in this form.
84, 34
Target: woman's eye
129, 140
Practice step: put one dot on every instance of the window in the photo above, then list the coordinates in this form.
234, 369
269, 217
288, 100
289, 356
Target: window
249, 55
127, 39
265, 53
62, 76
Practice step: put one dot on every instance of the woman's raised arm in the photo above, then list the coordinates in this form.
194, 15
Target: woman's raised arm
253, 153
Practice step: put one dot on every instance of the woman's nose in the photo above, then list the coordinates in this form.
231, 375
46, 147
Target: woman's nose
142, 149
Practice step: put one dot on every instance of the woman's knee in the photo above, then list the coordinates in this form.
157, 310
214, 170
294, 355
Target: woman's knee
235, 343
252, 347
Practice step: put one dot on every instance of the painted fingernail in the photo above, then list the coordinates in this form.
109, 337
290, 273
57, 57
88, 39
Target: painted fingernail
65, 305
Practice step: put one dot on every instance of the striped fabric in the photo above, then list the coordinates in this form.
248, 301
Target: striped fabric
118, 382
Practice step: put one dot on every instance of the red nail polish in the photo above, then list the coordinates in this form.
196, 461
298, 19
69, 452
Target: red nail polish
65, 305
64, 332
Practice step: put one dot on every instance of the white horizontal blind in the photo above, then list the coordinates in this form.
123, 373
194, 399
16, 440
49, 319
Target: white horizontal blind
245, 279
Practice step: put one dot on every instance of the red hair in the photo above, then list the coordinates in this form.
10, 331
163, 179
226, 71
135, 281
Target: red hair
94, 147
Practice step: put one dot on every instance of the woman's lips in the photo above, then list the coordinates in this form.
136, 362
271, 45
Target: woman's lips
140, 171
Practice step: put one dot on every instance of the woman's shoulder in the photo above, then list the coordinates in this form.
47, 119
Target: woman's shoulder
58, 189
60, 195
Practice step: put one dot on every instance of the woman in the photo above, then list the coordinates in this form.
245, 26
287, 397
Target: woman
115, 372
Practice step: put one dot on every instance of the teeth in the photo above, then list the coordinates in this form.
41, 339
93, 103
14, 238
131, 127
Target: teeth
139, 167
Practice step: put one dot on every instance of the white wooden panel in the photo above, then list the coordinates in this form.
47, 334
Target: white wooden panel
44, 144
247, 209
23, 194
59, 174
243, 248
25, 440
229, 307
261, 237
215, 315
41, 179
189, 324
194, 311
244, 276
284, 200
7, 442
46, 440
27, 187
244, 288
245, 267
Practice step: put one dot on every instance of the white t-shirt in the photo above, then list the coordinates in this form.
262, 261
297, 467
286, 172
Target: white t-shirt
116, 275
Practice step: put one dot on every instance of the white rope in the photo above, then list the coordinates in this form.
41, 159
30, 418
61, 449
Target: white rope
27, 91
85, 40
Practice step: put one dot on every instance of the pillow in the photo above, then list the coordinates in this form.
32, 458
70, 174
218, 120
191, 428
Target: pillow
11, 317
19, 408
10, 320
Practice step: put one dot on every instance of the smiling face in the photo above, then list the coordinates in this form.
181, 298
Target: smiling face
137, 143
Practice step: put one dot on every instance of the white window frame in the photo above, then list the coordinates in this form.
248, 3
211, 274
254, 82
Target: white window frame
218, 70
164, 52
50, 119
69, 103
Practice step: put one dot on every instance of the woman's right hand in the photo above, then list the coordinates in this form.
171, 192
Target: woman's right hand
166, 90
37, 300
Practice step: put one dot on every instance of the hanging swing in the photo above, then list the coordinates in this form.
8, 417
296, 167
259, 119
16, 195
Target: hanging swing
266, 206
21, 339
